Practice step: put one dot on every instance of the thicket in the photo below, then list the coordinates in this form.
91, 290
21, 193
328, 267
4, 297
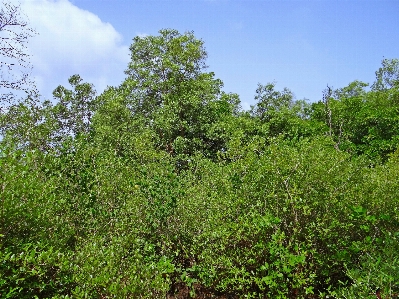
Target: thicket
164, 185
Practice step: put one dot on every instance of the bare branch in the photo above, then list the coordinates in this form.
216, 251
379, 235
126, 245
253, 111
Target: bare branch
15, 67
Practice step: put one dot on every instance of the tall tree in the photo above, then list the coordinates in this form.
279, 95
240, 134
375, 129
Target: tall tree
172, 92
160, 65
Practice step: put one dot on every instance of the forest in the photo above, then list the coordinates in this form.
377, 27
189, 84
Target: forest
164, 187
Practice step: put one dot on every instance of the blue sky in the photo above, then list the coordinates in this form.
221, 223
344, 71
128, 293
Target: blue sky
302, 45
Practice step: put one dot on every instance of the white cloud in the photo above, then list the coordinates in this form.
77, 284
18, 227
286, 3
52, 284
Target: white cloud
73, 41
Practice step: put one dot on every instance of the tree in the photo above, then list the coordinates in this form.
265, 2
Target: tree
46, 126
270, 101
160, 65
360, 121
387, 75
15, 66
171, 91
354, 89
75, 107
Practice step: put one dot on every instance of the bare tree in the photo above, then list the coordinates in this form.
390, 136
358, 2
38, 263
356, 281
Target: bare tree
15, 67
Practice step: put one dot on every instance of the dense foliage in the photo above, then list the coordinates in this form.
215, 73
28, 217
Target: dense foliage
164, 187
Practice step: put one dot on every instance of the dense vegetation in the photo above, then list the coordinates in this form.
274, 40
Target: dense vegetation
164, 187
